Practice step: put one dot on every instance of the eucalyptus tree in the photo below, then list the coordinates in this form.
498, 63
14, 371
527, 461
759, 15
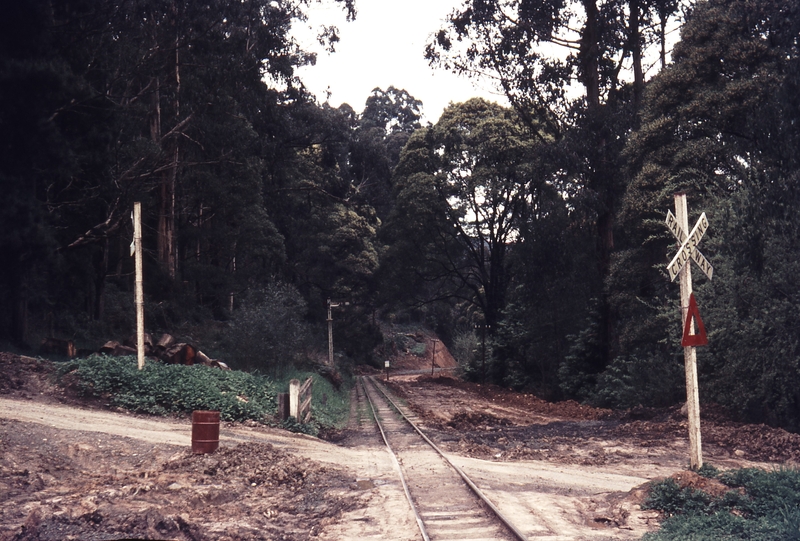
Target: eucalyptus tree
393, 110
209, 68
463, 187
332, 187
174, 103
535, 51
389, 118
328, 226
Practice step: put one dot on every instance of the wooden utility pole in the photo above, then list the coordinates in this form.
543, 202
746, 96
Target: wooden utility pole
689, 352
138, 284
330, 334
330, 327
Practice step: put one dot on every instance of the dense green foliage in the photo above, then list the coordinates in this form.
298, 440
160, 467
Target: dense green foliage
597, 319
269, 331
161, 389
718, 123
461, 188
530, 238
566, 67
759, 506
194, 110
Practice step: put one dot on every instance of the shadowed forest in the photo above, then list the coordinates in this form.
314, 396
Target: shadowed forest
531, 239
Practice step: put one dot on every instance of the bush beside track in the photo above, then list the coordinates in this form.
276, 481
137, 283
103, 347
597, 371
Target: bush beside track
164, 389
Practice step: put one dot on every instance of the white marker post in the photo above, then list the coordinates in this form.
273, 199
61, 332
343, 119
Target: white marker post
679, 266
138, 285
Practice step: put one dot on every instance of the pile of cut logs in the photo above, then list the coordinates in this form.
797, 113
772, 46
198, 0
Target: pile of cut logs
167, 350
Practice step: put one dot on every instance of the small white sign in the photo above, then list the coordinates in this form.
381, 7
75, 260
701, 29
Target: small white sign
688, 247
386, 364
697, 256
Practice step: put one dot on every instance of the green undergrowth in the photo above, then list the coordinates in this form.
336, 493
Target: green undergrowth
760, 506
164, 389
330, 407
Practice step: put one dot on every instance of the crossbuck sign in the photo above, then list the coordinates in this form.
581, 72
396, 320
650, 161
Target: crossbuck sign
689, 312
688, 249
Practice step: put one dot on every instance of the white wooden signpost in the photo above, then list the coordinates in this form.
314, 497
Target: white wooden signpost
300, 400
678, 224
136, 251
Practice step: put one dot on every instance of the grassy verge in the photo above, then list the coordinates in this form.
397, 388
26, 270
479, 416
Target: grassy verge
162, 389
760, 506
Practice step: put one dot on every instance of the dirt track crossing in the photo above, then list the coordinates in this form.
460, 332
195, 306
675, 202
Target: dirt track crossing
563, 472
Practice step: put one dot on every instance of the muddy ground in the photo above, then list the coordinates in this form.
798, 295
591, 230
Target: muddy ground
484, 421
74, 470
90, 482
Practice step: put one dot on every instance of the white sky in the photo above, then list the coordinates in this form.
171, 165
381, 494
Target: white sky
384, 47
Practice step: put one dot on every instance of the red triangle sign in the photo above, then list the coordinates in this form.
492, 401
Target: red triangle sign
699, 339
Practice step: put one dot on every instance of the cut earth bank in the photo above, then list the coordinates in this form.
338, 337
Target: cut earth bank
562, 471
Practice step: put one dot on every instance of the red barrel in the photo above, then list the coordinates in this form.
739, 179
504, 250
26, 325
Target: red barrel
205, 432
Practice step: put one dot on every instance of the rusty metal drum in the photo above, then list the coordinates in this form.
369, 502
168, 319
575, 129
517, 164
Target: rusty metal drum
205, 431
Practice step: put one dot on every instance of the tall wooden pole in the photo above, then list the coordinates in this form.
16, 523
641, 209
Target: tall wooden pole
689, 352
330, 334
138, 287
330, 327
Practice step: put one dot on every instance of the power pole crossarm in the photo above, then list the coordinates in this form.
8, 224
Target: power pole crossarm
331, 305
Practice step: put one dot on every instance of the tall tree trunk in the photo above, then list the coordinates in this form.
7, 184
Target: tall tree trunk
589, 54
495, 289
600, 173
166, 216
636, 51
167, 252
155, 111
662, 15
599, 176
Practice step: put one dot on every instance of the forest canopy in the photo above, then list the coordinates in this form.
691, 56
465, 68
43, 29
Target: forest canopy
535, 229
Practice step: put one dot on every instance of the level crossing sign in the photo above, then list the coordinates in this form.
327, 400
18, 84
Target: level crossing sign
700, 338
678, 224
688, 249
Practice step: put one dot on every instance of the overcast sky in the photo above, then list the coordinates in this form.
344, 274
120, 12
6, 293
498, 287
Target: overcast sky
384, 47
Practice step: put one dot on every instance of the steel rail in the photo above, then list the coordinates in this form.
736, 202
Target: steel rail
397, 467
478, 492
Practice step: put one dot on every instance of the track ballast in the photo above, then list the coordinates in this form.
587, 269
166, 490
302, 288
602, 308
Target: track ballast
447, 504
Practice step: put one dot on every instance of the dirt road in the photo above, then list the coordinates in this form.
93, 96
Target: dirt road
92, 451
551, 501
565, 472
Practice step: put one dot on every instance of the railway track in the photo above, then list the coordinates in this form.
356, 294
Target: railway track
446, 503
